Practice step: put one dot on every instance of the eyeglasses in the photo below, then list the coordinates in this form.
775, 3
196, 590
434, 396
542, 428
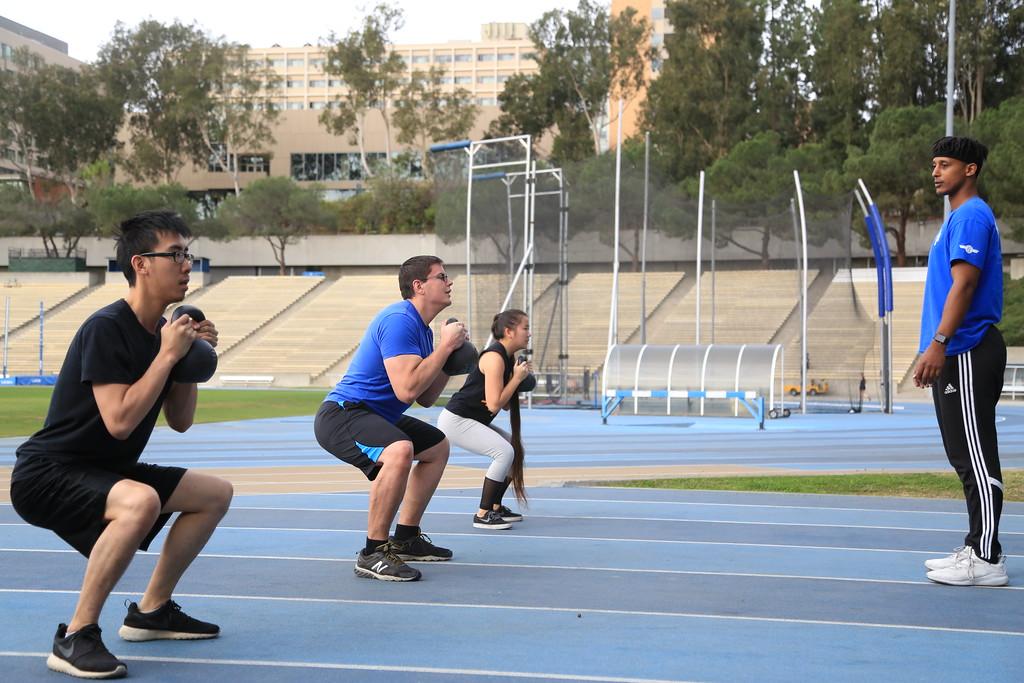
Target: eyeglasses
443, 277
178, 257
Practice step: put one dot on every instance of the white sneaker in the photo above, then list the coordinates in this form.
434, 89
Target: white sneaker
947, 561
971, 570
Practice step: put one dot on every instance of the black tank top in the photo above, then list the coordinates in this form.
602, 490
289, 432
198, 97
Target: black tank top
470, 401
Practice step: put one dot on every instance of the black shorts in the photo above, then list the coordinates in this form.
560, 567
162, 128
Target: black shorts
70, 499
357, 435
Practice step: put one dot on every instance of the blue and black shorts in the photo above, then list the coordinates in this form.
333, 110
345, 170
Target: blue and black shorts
357, 435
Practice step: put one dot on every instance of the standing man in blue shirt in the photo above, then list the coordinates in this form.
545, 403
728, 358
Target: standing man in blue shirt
361, 421
963, 357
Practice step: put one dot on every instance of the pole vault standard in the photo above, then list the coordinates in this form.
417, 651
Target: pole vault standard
883, 269
472, 147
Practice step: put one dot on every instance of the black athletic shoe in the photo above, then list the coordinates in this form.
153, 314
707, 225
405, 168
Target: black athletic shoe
385, 565
508, 515
491, 520
419, 549
84, 655
165, 623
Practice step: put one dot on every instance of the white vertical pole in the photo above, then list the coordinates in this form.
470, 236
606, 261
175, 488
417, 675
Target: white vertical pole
950, 81
469, 243
531, 189
803, 294
700, 238
7, 329
713, 302
643, 241
41, 328
613, 322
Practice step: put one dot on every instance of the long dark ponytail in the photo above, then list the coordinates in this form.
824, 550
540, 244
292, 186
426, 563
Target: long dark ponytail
503, 321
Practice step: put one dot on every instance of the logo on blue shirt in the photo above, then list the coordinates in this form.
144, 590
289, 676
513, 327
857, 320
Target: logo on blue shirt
969, 249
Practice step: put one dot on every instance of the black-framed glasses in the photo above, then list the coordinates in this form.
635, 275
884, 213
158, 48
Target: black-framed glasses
178, 257
443, 277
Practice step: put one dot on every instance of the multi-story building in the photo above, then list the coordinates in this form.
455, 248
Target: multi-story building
52, 51
306, 151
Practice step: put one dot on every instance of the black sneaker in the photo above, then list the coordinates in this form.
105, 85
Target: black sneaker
167, 622
419, 549
491, 520
84, 655
508, 515
385, 565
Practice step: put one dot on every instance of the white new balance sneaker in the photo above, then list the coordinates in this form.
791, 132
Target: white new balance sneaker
947, 561
971, 570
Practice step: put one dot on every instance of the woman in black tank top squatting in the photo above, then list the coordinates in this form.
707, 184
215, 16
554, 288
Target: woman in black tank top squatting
491, 386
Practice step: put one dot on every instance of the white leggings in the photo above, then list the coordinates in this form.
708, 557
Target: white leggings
479, 438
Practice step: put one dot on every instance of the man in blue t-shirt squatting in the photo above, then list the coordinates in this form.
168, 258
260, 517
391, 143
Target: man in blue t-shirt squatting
362, 423
963, 357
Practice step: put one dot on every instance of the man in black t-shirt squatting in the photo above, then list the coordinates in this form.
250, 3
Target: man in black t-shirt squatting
80, 475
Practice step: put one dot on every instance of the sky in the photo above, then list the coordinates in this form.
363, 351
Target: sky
87, 26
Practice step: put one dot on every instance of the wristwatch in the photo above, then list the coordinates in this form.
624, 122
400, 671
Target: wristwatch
941, 338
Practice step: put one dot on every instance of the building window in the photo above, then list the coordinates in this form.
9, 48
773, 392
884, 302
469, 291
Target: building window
484, 80
463, 58
215, 162
275, 63
485, 57
463, 80
657, 13
443, 59
6, 51
527, 55
446, 80
295, 84
318, 83
254, 163
316, 64
336, 83
656, 65
300, 62
421, 59
657, 39
503, 77
295, 105
487, 101
506, 56
317, 105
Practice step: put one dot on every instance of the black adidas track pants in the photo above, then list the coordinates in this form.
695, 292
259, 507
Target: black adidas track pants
965, 395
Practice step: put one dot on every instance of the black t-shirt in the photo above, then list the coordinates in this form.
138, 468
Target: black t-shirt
111, 347
470, 401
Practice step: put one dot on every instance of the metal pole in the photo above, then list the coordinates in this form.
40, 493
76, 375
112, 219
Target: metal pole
7, 329
950, 82
41, 325
643, 241
563, 300
803, 294
528, 284
508, 205
613, 321
700, 237
713, 301
469, 243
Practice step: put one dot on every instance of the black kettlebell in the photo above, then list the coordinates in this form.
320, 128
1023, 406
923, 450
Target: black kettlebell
528, 384
200, 363
462, 360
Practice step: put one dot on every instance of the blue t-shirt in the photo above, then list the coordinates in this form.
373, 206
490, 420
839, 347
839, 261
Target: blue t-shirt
398, 330
970, 235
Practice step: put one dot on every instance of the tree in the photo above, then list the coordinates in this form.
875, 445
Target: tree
990, 54
425, 113
897, 166
704, 100
74, 124
239, 115
911, 53
584, 57
390, 205
48, 217
110, 204
783, 89
372, 74
20, 97
842, 72
166, 76
1002, 129
278, 210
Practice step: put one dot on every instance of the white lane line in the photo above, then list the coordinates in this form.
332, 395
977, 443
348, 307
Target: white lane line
373, 667
548, 567
577, 610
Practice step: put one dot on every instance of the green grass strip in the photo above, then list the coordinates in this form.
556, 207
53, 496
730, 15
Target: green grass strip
903, 485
